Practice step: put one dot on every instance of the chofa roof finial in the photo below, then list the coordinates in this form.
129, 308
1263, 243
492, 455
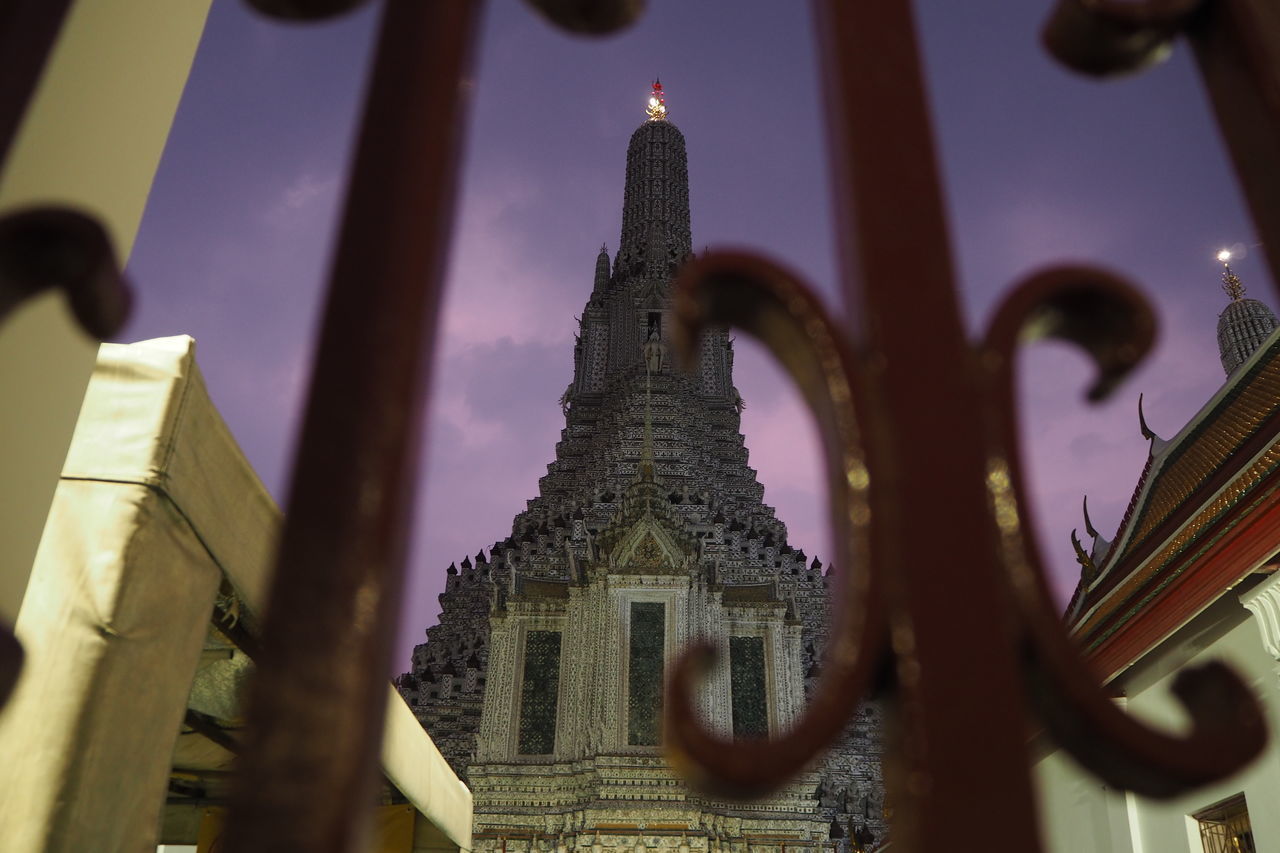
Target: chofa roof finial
1088, 525
1147, 433
1082, 557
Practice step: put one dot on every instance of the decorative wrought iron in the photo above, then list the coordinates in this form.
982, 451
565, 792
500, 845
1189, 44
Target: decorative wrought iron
958, 622
1236, 45
316, 706
961, 618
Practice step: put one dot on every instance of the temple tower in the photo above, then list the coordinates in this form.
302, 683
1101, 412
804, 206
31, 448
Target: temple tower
1244, 324
543, 681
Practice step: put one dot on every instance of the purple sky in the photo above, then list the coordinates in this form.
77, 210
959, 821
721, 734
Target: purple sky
1040, 166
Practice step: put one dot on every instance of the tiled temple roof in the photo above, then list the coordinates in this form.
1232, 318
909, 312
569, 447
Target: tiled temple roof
1213, 466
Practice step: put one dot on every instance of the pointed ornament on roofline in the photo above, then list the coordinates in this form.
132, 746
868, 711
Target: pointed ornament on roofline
1147, 433
1088, 525
657, 106
1087, 568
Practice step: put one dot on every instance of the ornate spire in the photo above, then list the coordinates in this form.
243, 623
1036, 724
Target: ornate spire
655, 209
1230, 281
1244, 324
656, 109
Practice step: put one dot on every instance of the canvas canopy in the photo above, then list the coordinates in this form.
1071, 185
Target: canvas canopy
129, 699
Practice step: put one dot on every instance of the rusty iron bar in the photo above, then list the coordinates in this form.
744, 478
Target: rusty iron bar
316, 707
975, 640
952, 716
48, 247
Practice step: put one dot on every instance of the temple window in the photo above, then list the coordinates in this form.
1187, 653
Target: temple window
747, 687
539, 691
644, 673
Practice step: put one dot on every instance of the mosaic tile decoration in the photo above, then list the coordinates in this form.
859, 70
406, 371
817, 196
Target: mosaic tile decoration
644, 673
538, 693
746, 682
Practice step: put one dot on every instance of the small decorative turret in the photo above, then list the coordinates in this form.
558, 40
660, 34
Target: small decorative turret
602, 271
1244, 324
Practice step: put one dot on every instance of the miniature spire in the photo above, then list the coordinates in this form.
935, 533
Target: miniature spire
602, 270
657, 106
1244, 324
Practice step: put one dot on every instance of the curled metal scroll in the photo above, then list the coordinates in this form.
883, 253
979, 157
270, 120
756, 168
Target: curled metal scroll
1113, 324
304, 10
952, 573
1237, 48
48, 247
1111, 36
590, 17
768, 302
316, 705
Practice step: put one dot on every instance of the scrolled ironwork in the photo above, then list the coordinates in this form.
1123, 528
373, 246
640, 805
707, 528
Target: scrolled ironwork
304, 10
1102, 37
976, 645
1237, 48
770, 303
48, 247
917, 424
589, 17
316, 706
1111, 322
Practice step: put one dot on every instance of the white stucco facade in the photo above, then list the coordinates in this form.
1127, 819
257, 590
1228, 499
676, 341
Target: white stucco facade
1079, 813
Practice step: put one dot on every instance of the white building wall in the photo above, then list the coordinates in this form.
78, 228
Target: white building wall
1078, 813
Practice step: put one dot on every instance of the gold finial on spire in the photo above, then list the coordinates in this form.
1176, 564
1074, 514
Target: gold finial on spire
1230, 281
657, 106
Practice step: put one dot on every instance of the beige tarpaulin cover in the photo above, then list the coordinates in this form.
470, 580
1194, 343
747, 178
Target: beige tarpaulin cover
155, 507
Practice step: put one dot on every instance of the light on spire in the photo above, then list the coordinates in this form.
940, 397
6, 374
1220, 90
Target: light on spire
657, 107
1230, 281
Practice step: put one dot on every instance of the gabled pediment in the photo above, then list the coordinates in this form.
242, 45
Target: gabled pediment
648, 548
